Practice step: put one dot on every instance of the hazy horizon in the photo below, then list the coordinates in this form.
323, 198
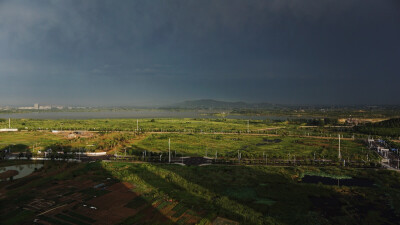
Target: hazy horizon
146, 53
179, 104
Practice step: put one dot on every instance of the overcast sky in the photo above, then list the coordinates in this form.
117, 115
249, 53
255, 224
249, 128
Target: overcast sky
159, 52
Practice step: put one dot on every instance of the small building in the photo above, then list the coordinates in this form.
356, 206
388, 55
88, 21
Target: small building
384, 152
8, 130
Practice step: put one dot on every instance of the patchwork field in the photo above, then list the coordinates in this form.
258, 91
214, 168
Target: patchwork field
34, 141
128, 188
158, 124
189, 137
128, 193
254, 146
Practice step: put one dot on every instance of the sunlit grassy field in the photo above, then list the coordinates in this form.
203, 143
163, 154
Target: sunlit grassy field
254, 146
34, 141
190, 137
158, 124
21, 141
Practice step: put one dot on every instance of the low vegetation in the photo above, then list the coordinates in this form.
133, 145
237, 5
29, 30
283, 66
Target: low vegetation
253, 146
160, 193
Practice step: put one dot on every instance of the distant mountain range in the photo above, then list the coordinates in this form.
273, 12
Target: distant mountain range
215, 104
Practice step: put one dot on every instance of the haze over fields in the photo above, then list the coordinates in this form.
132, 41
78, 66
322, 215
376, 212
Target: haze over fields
163, 52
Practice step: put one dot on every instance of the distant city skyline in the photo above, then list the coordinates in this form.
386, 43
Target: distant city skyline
146, 53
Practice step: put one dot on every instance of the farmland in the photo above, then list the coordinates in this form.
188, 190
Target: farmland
188, 125
158, 124
167, 194
189, 137
252, 146
266, 187
23, 141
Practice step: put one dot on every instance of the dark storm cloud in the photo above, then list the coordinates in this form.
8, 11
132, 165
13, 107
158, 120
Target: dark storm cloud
152, 52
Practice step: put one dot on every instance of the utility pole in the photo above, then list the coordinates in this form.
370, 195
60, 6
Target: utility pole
263, 156
339, 155
137, 125
248, 126
169, 150
9, 123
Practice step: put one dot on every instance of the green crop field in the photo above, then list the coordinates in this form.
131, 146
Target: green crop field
159, 124
34, 141
22, 141
245, 194
253, 146
268, 195
190, 137
161, 193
